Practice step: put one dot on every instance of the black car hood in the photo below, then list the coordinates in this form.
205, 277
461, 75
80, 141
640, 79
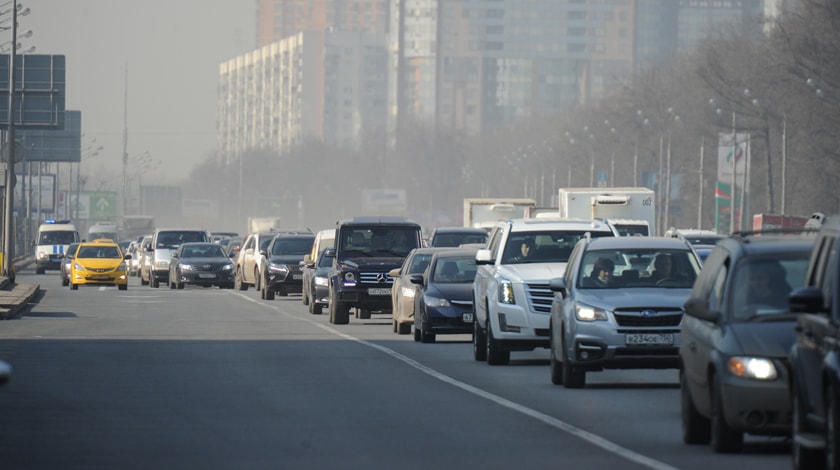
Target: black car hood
214, 260
454, 291
285, 259
373, 263
769, 338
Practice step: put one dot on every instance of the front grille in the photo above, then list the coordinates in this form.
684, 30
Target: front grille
651, 318
100, 270
539, 297
207, 268
374, 278
464, 304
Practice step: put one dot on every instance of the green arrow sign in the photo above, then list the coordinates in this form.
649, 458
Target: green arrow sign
103, 205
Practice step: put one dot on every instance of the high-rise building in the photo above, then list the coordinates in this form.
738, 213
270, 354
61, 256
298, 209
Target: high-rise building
279, 19
323, 85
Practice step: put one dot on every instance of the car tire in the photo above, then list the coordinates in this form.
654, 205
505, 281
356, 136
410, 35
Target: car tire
268, 293
339, 312
237, 281
305, 298
74, 287
403, 328
257, 280
804, 458
364, 314
143, 282
155, 283
417, 334
180, 285
315, 309
173, 285
725, 439
40, 270
479, 342
123, 287
65, 282
696, 428
572, 376
496, 356
556, 366
426, 337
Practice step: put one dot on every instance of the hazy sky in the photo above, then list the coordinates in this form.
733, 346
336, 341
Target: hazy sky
172, 50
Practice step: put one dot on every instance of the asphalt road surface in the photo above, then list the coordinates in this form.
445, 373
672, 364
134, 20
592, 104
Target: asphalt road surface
209, 378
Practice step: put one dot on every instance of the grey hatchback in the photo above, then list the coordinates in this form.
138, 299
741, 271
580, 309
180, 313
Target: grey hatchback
736, 336
621, 306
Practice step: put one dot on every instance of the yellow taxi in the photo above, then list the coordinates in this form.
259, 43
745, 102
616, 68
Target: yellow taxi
101, 263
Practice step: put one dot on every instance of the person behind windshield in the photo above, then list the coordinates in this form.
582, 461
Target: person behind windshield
526, 251
662, 267
400, 242
601, 275
767, 286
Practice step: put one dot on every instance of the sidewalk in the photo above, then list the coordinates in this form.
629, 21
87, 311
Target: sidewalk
14, 296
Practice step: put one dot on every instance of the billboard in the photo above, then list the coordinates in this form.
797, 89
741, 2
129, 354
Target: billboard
57, 145
39, 91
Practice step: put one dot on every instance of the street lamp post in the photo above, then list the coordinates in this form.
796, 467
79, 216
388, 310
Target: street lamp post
9, 225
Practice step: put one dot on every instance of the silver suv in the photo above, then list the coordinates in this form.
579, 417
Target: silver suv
620, 306
510, 292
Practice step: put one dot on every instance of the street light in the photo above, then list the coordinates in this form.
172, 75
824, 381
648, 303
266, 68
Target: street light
733, 190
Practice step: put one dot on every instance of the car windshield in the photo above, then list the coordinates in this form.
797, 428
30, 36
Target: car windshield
631, 268
767, 283
549, 246
91, 251
176, 239
210, 250
458, 239
292, 246
454, 271
419, 263
380, 241
57, 237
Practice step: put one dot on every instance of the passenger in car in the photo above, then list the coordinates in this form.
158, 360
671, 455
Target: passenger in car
601, 274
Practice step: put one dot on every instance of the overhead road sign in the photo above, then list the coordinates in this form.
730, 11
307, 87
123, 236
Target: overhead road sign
40, 91
54, 145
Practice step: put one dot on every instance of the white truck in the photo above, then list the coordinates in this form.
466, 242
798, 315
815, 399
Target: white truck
263, 224
485, 212
631, 210
103, 230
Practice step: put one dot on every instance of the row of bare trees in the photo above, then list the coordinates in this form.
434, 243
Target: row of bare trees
783, 89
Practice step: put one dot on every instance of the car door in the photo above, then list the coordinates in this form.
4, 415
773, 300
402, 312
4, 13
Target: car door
246, 255
484, 277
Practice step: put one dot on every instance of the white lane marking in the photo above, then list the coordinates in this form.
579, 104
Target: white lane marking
593, 439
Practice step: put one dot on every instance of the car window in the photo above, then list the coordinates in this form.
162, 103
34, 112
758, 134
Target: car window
292, 247
668, 268
419, 263
454, 271
767, 282
829, 273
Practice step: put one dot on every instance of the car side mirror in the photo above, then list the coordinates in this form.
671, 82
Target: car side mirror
329, 252
395, 272
699, 307
806, 300
416, 279
484, 256
558, 284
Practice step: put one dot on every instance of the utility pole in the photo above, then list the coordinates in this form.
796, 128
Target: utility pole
125, 146
9, 223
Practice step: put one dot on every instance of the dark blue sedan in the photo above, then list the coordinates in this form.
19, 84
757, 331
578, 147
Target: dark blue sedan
443, 303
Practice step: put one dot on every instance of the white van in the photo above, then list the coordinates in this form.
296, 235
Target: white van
51, 242
103, 230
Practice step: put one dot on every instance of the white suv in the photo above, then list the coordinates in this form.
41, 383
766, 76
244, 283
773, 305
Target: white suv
511, 297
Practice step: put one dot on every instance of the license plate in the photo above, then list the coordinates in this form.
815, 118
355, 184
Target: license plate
207, 276
650, 339
379, 291
467, 317
99, 278
297, 277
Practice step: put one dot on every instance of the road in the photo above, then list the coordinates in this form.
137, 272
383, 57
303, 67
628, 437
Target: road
209, 378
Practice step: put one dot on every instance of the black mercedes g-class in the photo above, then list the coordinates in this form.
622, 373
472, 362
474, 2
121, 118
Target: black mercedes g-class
366, 248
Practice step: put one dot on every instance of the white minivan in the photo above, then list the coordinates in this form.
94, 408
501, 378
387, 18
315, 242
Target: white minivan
51, 242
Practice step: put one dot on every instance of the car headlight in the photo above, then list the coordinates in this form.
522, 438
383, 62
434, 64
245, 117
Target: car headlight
435, 301
78, 267
42, 255
506, 292
162, 264
349, 278
321, 281
757, 368
280, 268
123, 266
587, 313
227, 267
185, 267
407, 292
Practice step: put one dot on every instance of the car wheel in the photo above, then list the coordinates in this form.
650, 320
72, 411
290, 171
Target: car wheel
696, 428
496, 356
417, 334
40, 270
479, 342
65, 282
426, 337
180, 285
257, 280
74, 287
305, 298
339, 312
804, 458
123, 287
403, 328
725, 439
269, 294
282, 292
363, 313
572, 376
237, 281
172, 284
155, 283
143, 282
315, 309
556, 366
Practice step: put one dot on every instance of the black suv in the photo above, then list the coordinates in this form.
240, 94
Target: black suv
735, 338
366, 249
815, 356
281, 270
